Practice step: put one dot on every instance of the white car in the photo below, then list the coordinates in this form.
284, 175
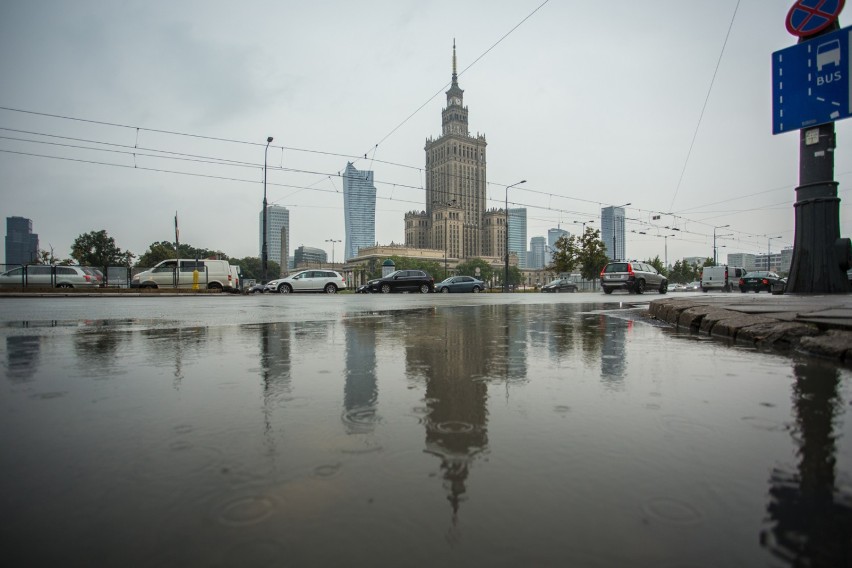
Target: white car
313, 280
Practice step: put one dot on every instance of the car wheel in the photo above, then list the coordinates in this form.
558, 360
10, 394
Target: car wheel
640, 286
284, 289
663, 287
385, 288
607, 290
330, 289
64, 285
475, 290
743, 290
424, 289
214, 286
445, 290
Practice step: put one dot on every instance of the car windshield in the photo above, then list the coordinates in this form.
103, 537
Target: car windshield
557, 281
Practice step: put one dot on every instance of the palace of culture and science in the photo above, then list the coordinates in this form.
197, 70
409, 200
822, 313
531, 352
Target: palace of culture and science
455, 220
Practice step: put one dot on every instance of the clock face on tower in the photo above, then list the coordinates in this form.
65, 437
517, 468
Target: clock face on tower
455, 101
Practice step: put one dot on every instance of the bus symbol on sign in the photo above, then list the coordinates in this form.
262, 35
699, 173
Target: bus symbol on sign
811, 82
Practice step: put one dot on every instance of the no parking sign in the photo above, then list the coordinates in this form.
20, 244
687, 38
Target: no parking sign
808, 17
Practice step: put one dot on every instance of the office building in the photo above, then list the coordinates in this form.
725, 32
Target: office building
359, 210
612, 232
21, 242
309, 256
538, 253
518, 234
742, 260
277, 234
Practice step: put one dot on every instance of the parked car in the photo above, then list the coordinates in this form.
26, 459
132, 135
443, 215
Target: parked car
460, 284
44, 275
403, 281
692, 287
676, 287
312, 280
633, 276
761, 280
720, 277
560, 285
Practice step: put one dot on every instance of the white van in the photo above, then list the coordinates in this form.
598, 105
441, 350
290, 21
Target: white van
722, 277
177, 273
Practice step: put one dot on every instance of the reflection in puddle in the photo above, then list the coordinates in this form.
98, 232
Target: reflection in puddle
462, 434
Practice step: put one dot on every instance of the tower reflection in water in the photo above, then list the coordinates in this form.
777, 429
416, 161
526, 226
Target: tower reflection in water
810, 510
360, 391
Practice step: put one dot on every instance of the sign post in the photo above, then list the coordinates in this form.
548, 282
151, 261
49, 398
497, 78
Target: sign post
811, 85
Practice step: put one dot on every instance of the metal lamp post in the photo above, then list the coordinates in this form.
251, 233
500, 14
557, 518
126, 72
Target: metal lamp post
666, 239
583, 223
263, 254
332, 241
714, 241
506, 271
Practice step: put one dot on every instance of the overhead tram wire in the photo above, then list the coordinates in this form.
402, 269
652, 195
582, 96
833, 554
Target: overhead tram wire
704, 107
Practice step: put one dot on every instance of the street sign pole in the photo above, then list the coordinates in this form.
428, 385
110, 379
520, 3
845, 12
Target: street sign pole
820, 256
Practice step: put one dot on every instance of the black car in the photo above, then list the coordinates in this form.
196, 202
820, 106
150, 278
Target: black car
403, 281
762, 280
560, 285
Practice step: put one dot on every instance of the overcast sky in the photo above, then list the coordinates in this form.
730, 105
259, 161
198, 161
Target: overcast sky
593, 103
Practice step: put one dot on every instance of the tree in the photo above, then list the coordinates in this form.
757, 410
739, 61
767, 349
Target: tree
592, 256
566, 254
164, 250
658, 264
468, 268
99, 250
251, 269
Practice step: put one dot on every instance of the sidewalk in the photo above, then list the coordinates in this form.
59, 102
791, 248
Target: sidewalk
815, 325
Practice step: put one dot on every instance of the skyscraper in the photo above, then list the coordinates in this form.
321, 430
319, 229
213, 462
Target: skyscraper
359, 210
455, 175
612, 232
278, 219
538, 253
518, 234
21, 242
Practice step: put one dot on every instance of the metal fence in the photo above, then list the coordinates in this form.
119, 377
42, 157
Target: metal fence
53, 275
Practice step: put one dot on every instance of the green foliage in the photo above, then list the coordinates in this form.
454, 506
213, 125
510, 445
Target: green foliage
251, 269
99, 250
469, 267
566, 254
164, 250
515, 276
708, 262
683, 272
658, 264
586, 252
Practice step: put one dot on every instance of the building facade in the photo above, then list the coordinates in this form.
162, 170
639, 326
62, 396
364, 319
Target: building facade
455, 179
612, 232
309, 256
538, 253
518, 234
21, 242
359, 210
277, 234
742, 260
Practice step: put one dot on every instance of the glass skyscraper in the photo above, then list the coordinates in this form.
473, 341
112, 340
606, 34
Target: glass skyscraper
553, 235
538, 253
518, 234
359, 210
21, 242
277, 222
612, 232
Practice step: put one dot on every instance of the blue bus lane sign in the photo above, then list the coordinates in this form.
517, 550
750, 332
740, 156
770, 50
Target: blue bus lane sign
811, 82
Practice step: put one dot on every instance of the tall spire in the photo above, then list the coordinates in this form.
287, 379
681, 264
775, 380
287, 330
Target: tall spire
454, 61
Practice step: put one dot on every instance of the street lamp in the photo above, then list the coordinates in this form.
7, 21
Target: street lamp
450, 203
769, 250
506, 271
714, 242
666, 239
263, 255
614, 229
332, 241
584, 223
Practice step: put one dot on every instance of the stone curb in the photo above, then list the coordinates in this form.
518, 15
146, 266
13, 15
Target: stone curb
759, 331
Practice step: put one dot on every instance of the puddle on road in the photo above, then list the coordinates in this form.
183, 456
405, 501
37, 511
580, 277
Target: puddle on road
461, 434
